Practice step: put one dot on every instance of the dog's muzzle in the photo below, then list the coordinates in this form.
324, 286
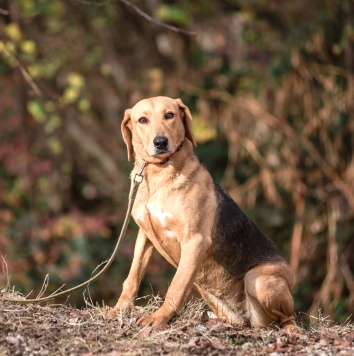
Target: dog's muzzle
161, 143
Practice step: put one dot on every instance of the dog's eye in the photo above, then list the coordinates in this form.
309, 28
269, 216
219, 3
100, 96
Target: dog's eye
143, 120
169, 115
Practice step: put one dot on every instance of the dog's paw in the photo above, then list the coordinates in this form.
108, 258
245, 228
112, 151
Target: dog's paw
112, 313
126, 306
156, 320
292, 329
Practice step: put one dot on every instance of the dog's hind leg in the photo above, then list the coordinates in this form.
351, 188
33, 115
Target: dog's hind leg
268, 297
220, 309
142, 255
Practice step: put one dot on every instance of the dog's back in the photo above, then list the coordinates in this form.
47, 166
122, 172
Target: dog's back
238, 244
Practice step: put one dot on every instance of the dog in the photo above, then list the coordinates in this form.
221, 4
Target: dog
197, 228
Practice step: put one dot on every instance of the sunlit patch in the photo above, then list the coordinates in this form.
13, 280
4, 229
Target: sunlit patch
169, 234
160, 215
140, 216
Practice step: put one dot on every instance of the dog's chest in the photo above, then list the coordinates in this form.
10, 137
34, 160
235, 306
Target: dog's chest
156, 218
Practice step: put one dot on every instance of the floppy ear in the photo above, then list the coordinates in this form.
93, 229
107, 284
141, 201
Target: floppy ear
187, 121
127, 133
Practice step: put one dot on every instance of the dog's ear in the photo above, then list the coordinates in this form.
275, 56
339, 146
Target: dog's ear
187, 121
127, 133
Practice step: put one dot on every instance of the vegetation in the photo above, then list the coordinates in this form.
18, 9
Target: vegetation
270, 85
62, 330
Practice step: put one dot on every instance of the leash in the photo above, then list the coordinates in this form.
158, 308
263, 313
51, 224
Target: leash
133, 191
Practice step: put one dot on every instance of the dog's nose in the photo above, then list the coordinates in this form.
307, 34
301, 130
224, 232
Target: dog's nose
160, 142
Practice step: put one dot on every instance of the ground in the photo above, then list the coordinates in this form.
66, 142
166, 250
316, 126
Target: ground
32, 329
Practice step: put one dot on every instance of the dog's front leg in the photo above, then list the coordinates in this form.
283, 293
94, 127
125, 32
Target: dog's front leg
192, 254
142, 255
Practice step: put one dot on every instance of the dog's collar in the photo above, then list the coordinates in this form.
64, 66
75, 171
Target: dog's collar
166, 159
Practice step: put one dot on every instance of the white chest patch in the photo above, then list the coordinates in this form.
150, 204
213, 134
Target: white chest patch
157, 213
169, 234
139, 214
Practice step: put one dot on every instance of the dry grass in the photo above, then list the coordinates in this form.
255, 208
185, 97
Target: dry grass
30, 329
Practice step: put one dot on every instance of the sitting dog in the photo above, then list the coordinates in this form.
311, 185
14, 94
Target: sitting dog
197, 228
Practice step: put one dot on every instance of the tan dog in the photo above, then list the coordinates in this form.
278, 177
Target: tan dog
198, 228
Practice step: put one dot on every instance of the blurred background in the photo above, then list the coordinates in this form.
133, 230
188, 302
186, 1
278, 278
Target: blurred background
271, 88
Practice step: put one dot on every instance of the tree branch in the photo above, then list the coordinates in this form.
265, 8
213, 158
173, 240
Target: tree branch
142, 14
4, 12
155, 21
29, 79
94, 3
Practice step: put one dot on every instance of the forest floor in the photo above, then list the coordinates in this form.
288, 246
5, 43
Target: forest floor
31, 329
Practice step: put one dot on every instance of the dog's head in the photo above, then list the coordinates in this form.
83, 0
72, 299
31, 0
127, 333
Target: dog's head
154, 128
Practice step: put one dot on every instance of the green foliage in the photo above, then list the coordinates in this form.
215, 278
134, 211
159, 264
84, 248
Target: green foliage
174, 14
36, 109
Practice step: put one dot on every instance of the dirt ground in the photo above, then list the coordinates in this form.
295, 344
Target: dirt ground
31, 329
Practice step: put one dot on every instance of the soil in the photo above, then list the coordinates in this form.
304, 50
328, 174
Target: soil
32, 329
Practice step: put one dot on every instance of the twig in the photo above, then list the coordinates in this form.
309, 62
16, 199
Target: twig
296, 238
44, 286
155, 21
88, 301
5, 268
4, 12
58, 290
5, 271
259, 112
94, 3
346, 272
328, 293
142, 14
29, 79
252, 149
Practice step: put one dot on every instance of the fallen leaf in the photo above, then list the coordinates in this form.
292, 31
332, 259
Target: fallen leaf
341, 342
350, 336
217, 344
144, 332
227, 326
329, 334
12, 340
201, 328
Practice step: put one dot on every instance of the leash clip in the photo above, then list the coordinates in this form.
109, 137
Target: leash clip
139, 176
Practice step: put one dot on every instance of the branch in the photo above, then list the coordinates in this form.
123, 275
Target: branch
296, 239
142, 14
4, 12
253, 107
89, 145
155, 21
84, 2
347, 273
25, 73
